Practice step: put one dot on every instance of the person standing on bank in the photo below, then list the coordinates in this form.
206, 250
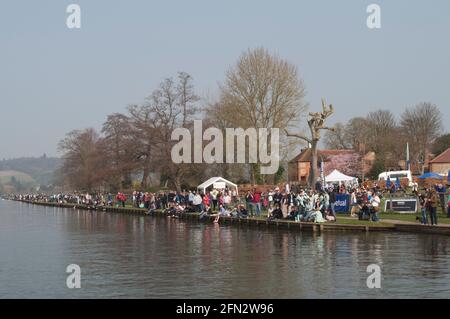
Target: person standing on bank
333, 202
375, 201
441, 190
423, 208
354, 204
249, 202
257, 202
433, 203
448, 206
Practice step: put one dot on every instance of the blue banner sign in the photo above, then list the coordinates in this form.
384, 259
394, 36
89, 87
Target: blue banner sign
342, 204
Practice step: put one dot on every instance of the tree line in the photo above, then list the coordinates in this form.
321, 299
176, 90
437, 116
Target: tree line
261, 90
380, 131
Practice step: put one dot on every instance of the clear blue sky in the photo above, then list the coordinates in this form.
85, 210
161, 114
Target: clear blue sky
53, 79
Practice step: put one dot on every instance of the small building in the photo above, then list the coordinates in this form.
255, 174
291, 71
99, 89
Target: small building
441, 163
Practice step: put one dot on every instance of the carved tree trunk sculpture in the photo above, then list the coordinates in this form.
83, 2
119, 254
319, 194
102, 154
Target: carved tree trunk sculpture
316, 123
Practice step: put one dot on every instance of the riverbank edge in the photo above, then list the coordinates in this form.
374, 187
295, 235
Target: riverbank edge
277, 224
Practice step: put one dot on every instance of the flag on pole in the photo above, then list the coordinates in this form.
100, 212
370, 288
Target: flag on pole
322, 175
408, 165
397, 183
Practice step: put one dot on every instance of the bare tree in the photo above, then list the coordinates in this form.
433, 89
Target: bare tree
143, 136
187, 98
170, 106
380, 125
316, 123
357, 133
421, 124
261, 91
82, 166
118, 156
441, 144
337, 138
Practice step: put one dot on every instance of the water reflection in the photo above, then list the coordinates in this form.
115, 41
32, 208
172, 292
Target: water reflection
137, 256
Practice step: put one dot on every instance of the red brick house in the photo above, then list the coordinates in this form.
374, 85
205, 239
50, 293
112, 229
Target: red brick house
441, 163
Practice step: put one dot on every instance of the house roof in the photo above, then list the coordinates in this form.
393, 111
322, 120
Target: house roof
305, 155
442, 158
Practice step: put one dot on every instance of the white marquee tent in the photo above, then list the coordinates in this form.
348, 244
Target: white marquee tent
336, 176
217, 182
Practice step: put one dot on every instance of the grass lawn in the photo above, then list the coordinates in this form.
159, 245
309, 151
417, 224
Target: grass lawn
442, 218
344, 221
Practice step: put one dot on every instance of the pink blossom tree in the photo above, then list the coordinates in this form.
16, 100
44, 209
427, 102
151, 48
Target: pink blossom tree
348, 164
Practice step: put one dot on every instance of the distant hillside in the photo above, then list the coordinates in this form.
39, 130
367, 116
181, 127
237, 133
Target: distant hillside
40, 169
9, 176
14, 181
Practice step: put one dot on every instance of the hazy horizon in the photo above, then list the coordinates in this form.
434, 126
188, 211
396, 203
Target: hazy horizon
55, 80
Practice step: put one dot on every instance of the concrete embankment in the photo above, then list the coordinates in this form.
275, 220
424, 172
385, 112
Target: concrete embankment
276, 224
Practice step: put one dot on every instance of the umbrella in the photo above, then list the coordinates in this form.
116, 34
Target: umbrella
430, 175
388, 182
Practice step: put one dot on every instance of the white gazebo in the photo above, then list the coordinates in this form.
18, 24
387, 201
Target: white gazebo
336, 177
217, 183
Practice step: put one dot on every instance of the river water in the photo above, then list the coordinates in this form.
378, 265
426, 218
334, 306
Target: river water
124, 256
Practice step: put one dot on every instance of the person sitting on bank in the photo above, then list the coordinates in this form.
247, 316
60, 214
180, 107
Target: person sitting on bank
309, 209
277, 213
222, 212
375, 202
292, 214
176, 210
206, 210
316, 217
302, 212
315, 214
270, 210
364, 212
243, 212
330, 217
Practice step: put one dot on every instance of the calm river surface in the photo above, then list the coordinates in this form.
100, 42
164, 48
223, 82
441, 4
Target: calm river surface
151, 257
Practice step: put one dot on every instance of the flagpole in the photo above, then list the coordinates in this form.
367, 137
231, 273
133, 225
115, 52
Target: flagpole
408, 166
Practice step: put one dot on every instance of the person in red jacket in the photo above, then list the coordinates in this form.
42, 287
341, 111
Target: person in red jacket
206, 200
257, 201
121, 198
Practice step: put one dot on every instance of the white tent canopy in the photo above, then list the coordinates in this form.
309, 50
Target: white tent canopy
217, 182
336, 176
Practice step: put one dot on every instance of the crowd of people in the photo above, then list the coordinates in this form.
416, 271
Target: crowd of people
430, 200
316, 204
